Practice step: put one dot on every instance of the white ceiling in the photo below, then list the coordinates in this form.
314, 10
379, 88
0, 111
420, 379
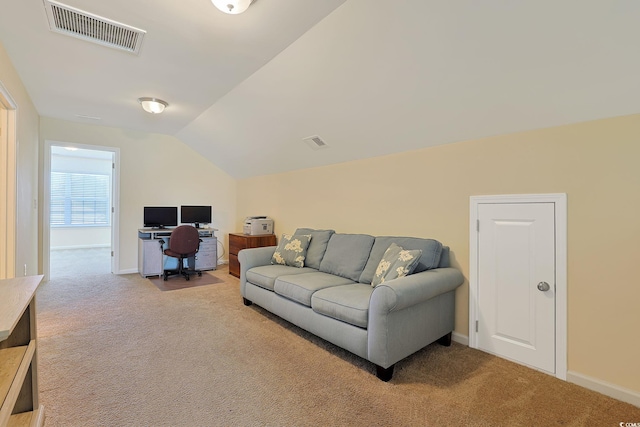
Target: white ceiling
370, 77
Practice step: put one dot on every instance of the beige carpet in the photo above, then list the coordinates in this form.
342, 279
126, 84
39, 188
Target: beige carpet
174, 283
79, 262
114, 351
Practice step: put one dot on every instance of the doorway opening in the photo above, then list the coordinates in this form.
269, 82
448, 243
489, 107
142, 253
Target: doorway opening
80, 210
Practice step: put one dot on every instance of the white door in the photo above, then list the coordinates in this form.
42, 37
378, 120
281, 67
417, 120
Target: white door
516, 282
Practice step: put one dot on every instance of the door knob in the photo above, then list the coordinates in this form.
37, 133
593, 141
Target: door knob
543, 286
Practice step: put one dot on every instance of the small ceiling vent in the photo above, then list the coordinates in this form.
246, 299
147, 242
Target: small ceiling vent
86, 26
315, 142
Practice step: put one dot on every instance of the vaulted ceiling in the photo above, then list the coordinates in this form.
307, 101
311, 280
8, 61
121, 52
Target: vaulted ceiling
369, 77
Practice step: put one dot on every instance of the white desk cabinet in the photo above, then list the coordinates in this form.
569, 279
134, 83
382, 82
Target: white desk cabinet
207, 256
149, 257
19, 404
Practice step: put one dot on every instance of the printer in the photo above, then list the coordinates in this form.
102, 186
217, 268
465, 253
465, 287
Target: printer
256, 225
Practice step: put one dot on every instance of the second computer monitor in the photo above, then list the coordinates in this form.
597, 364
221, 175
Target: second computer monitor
196, 215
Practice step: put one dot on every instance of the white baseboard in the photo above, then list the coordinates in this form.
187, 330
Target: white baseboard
460, 339
60, 248
608, 389
611, 390
128, 271
223, 261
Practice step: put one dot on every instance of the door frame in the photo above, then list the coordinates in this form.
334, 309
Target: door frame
560, 211
8, 184
115, 204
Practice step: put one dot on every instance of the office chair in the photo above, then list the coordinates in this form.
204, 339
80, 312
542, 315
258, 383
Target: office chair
184, 243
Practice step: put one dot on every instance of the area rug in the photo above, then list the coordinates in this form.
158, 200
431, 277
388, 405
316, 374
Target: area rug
174, 283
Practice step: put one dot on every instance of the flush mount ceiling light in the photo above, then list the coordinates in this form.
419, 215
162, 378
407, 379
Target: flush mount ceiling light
152, 105
232, 7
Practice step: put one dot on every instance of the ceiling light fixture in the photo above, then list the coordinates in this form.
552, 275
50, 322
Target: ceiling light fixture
232, 7
153, 105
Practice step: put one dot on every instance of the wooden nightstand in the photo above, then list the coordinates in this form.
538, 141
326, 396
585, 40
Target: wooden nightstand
239, 241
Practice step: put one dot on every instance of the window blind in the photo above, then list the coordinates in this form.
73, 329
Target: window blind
79, 199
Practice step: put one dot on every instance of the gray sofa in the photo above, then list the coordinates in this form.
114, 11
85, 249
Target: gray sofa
332, 297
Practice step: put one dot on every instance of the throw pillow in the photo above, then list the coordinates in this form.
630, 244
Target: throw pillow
396, 262
291, 250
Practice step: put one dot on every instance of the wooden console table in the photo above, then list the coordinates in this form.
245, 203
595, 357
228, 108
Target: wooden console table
237, 242
18, 353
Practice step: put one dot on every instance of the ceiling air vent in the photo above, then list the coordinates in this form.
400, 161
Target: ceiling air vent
315, 142
86, 26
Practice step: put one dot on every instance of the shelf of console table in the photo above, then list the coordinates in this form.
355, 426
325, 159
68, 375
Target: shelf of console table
18, 353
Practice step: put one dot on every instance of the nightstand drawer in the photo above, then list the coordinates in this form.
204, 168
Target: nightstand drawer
237, 242
234, 265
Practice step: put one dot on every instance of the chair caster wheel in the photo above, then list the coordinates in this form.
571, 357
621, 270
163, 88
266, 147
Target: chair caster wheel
199, 273
188, 277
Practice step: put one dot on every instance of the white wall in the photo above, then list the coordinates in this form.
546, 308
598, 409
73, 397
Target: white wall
62, 163
155, 170
27, 169
79, 237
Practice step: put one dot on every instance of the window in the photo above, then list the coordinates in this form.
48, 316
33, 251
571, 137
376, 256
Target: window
79, 199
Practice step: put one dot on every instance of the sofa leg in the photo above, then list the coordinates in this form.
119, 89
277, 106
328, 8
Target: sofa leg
384, 374
246, 301
445, 340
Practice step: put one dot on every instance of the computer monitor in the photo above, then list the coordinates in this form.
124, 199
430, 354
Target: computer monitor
160, 216
195, 215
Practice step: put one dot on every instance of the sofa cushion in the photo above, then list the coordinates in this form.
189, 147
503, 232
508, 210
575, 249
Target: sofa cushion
317, 245
396, 262
292, 250
430, 258
266, 275
300, 287
445, 258
347, 255
348, 303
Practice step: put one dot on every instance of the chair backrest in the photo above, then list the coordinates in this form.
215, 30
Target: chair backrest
185, 239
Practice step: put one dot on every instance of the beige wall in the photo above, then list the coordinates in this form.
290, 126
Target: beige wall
26, 169
147, 178
426, 193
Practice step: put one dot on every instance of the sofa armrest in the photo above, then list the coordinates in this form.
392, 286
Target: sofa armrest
253, 257
413, 289
408, 313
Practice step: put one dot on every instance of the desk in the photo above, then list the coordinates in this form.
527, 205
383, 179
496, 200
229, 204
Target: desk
151, 259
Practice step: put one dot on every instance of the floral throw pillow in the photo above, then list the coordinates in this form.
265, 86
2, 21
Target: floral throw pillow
292, 250
396, 262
